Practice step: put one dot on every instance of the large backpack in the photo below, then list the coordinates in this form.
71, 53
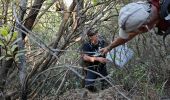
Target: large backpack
164, 12
163, 6
156, 3
165, 9
164, 25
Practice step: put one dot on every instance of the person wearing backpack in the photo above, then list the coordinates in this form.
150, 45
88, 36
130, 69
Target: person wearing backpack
96, 61
163, 7
140, 17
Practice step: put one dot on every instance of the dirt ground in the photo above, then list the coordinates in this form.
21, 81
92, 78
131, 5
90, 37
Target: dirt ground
112, 93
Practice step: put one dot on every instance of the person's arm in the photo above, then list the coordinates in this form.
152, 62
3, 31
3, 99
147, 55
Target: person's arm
93, 59
118, 41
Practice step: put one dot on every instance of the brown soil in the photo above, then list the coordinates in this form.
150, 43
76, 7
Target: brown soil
112, 93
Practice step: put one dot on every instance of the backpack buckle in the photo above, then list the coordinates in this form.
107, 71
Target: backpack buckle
161, 2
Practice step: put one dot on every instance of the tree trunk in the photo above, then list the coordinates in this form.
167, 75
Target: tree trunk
22, 60
28, 24
32, 15
4, 66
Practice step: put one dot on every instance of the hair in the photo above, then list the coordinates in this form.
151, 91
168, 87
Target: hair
92, 32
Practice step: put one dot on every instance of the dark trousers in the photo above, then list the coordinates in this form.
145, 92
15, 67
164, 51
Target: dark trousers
90, 75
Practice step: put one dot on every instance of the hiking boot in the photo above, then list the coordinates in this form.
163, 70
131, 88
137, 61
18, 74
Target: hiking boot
91, 88
104, 85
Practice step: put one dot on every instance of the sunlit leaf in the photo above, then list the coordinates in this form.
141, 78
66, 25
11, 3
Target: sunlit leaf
2, 57
18, 55
4, 32
15, 34
8, 58
9, 53
1, 43
16, 59
78, 39
21, 51
8, 37
16, 41
94, 2
14, 48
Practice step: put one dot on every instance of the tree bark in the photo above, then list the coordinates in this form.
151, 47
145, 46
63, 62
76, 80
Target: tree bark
28, 24
4, 66
32, 15
22, 59
3, 75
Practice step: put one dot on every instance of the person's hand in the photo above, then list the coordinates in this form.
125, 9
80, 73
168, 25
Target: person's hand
104, 50
101, 59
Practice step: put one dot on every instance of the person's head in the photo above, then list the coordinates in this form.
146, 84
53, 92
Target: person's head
132, 17
93, 36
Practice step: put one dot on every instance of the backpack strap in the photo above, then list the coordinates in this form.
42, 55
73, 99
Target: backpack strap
165, 9
156, 3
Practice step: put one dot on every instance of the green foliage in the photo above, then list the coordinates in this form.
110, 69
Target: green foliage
15, 35
2, 57
49, 27
4, 31
94, 2
8, 40
6, 36
1, 43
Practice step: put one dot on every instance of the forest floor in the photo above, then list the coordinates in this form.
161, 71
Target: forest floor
112, 93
